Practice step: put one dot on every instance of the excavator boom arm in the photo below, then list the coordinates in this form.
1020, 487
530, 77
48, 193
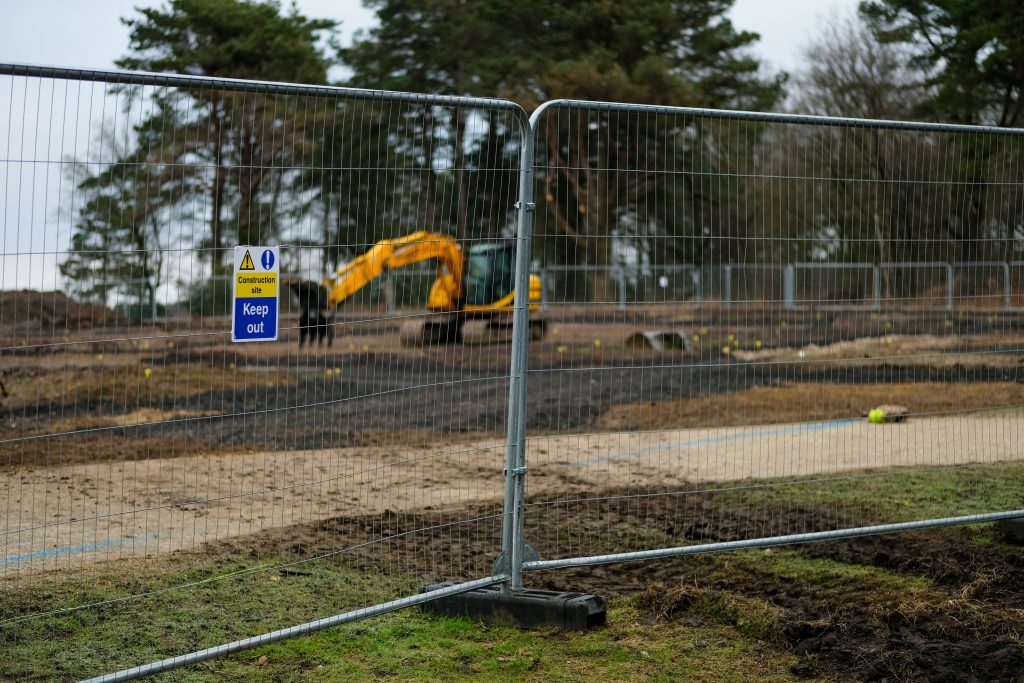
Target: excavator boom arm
396, 253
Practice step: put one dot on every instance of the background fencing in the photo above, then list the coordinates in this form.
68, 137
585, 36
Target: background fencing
803, 271
826, 285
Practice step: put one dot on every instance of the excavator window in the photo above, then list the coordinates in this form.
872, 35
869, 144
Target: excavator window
490, 273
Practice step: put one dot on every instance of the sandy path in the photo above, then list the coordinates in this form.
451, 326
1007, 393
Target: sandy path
73, 516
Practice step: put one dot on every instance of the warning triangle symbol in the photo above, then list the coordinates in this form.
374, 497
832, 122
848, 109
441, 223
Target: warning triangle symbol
247, 263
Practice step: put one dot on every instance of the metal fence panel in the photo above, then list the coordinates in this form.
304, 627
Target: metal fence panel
134, 430
743, 425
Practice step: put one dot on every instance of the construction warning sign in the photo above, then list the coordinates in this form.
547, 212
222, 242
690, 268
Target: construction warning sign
254, 315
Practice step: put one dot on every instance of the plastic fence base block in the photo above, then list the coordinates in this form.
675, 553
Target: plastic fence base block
526, 608
1012, 529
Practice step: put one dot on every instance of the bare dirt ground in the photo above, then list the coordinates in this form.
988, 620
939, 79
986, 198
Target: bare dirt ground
64, 516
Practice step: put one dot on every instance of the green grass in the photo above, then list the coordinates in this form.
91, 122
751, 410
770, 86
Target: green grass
903, 494
407, 645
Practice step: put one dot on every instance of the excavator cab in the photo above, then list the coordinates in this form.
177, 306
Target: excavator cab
490, 272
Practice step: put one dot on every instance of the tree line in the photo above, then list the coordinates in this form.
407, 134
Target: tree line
207, 168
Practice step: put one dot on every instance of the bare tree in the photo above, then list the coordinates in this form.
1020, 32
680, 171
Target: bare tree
848, 72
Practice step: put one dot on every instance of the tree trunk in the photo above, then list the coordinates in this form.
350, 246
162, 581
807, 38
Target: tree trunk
601, 281
217, 189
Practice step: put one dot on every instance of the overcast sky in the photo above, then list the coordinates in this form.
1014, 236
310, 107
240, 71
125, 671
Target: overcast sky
87, 33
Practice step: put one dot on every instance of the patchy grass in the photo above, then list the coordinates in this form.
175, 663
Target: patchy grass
119, 383
827, 610
906, 493
406, 646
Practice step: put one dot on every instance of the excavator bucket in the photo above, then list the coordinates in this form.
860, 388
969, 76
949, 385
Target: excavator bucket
316, 324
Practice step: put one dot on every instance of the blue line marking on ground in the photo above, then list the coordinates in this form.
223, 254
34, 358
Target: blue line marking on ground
691, 443
68, 550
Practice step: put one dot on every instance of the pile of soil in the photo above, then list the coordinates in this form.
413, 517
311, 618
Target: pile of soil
44, 311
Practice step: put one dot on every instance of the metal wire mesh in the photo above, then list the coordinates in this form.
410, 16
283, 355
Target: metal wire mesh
723, 296
134, 431
829, 258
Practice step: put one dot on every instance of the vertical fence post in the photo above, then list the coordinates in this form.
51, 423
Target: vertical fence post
515, 460
789, 287
727, 284
950, 286
697, 276
388, 285
876, 288
620, 281
543, 272
1007, 291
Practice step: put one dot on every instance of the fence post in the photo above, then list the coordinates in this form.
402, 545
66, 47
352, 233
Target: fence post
388, 285
727, 284
543, 273
789, 287
876, 288
515, 460
697, 275
949, 286
1007, 288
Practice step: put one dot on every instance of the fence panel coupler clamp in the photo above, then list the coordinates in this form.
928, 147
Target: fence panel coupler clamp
530, 206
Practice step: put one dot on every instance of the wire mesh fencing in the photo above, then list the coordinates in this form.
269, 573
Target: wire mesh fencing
830, 260
608, 333
136, 435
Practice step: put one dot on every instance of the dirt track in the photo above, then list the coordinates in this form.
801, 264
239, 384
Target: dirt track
130, 445
63, 516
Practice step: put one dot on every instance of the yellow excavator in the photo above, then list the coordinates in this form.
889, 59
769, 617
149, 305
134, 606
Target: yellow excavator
469, 302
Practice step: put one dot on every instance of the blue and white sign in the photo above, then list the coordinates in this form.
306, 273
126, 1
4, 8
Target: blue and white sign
254, 313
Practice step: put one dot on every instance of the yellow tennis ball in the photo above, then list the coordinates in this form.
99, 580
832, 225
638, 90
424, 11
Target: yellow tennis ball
597, 343
337, 372
876, 416
147, 372
726, 350
757, 344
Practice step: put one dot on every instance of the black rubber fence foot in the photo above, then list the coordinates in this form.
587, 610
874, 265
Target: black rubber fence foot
527, 608
1012, 529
